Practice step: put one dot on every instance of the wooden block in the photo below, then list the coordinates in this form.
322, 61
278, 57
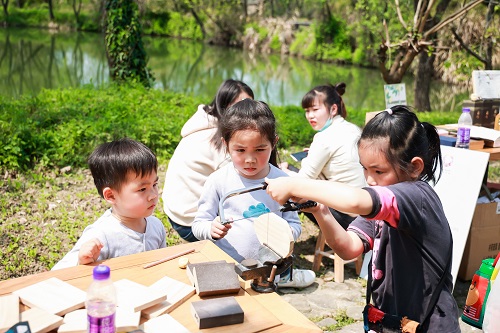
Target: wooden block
190, 267
274, 232
217, 312
76, 322
41, 321
9, 311
177, 292
52, 295
159, 325
137, 296
219, 279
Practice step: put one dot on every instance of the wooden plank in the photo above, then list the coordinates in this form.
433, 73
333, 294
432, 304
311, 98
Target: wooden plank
177, 293
283, 311
52, 295
76, 322
9, 311
159, 325
41, 321
275, 232
136, 296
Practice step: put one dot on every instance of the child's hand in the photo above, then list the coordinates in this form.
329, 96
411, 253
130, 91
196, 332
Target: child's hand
89, 252
283, 166
278, 189
218, 230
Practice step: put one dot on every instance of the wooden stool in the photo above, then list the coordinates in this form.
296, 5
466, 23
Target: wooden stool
338, 262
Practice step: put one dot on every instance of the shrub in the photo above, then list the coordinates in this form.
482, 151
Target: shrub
61, 127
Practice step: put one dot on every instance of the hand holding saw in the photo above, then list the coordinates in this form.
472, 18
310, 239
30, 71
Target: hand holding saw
289, 206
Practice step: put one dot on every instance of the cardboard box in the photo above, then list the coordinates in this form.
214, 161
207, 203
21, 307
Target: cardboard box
483, 240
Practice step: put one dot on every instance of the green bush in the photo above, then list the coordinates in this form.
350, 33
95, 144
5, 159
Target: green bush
275, 43
260, 30
179, 25
292, 127
61, 127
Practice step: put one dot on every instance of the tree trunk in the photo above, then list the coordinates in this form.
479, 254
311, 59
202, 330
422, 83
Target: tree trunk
5, 4
244, 3
199, 21
51, 10
423, 79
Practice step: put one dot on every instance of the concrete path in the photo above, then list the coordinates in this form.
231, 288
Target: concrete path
324, 300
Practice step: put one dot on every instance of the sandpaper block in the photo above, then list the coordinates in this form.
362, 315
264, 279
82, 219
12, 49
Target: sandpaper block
219, 279
217, 312
190, 268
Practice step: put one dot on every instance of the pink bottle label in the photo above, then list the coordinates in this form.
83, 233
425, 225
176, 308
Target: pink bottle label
101, 324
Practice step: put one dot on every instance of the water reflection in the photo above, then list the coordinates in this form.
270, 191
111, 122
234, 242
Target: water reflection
31, 60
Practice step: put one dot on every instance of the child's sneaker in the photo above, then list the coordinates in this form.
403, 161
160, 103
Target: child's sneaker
302, 278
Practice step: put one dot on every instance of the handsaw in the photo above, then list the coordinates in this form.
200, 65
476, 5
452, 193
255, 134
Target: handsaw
287, 207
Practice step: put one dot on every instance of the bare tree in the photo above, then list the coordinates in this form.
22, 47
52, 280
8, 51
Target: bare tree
420, 38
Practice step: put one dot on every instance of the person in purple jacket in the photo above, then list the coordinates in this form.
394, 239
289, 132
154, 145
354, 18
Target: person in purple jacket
401, 219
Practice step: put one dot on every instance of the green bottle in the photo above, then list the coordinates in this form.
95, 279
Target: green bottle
478, 294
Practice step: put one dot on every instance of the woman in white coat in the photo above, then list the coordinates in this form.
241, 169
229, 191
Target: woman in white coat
197, 155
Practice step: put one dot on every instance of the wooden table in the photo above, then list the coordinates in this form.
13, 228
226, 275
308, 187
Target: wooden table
263, 312
494, 152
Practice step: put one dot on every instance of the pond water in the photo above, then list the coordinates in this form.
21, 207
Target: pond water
31, 60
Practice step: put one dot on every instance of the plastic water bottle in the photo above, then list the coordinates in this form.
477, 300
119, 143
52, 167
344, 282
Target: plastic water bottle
477, 296
463, 132
101, 302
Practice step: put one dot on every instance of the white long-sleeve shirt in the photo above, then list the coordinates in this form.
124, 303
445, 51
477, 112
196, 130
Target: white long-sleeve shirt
117, 239
241, 241
333, 155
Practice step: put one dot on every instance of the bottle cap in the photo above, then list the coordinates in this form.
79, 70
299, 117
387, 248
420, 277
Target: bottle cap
101, 272
487, 267
465, 109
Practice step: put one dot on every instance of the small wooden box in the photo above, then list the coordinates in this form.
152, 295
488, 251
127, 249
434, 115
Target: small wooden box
483, 112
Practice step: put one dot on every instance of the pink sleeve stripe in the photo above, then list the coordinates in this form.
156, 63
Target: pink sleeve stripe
370, 240
389, 211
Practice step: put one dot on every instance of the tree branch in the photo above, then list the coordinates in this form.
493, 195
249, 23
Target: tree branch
423, 20
400, 17
461, 42
416, 18
452, 17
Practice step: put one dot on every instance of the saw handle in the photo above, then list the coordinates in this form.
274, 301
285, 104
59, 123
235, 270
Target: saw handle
291, 206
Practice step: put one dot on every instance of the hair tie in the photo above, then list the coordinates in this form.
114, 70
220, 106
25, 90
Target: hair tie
389, 110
